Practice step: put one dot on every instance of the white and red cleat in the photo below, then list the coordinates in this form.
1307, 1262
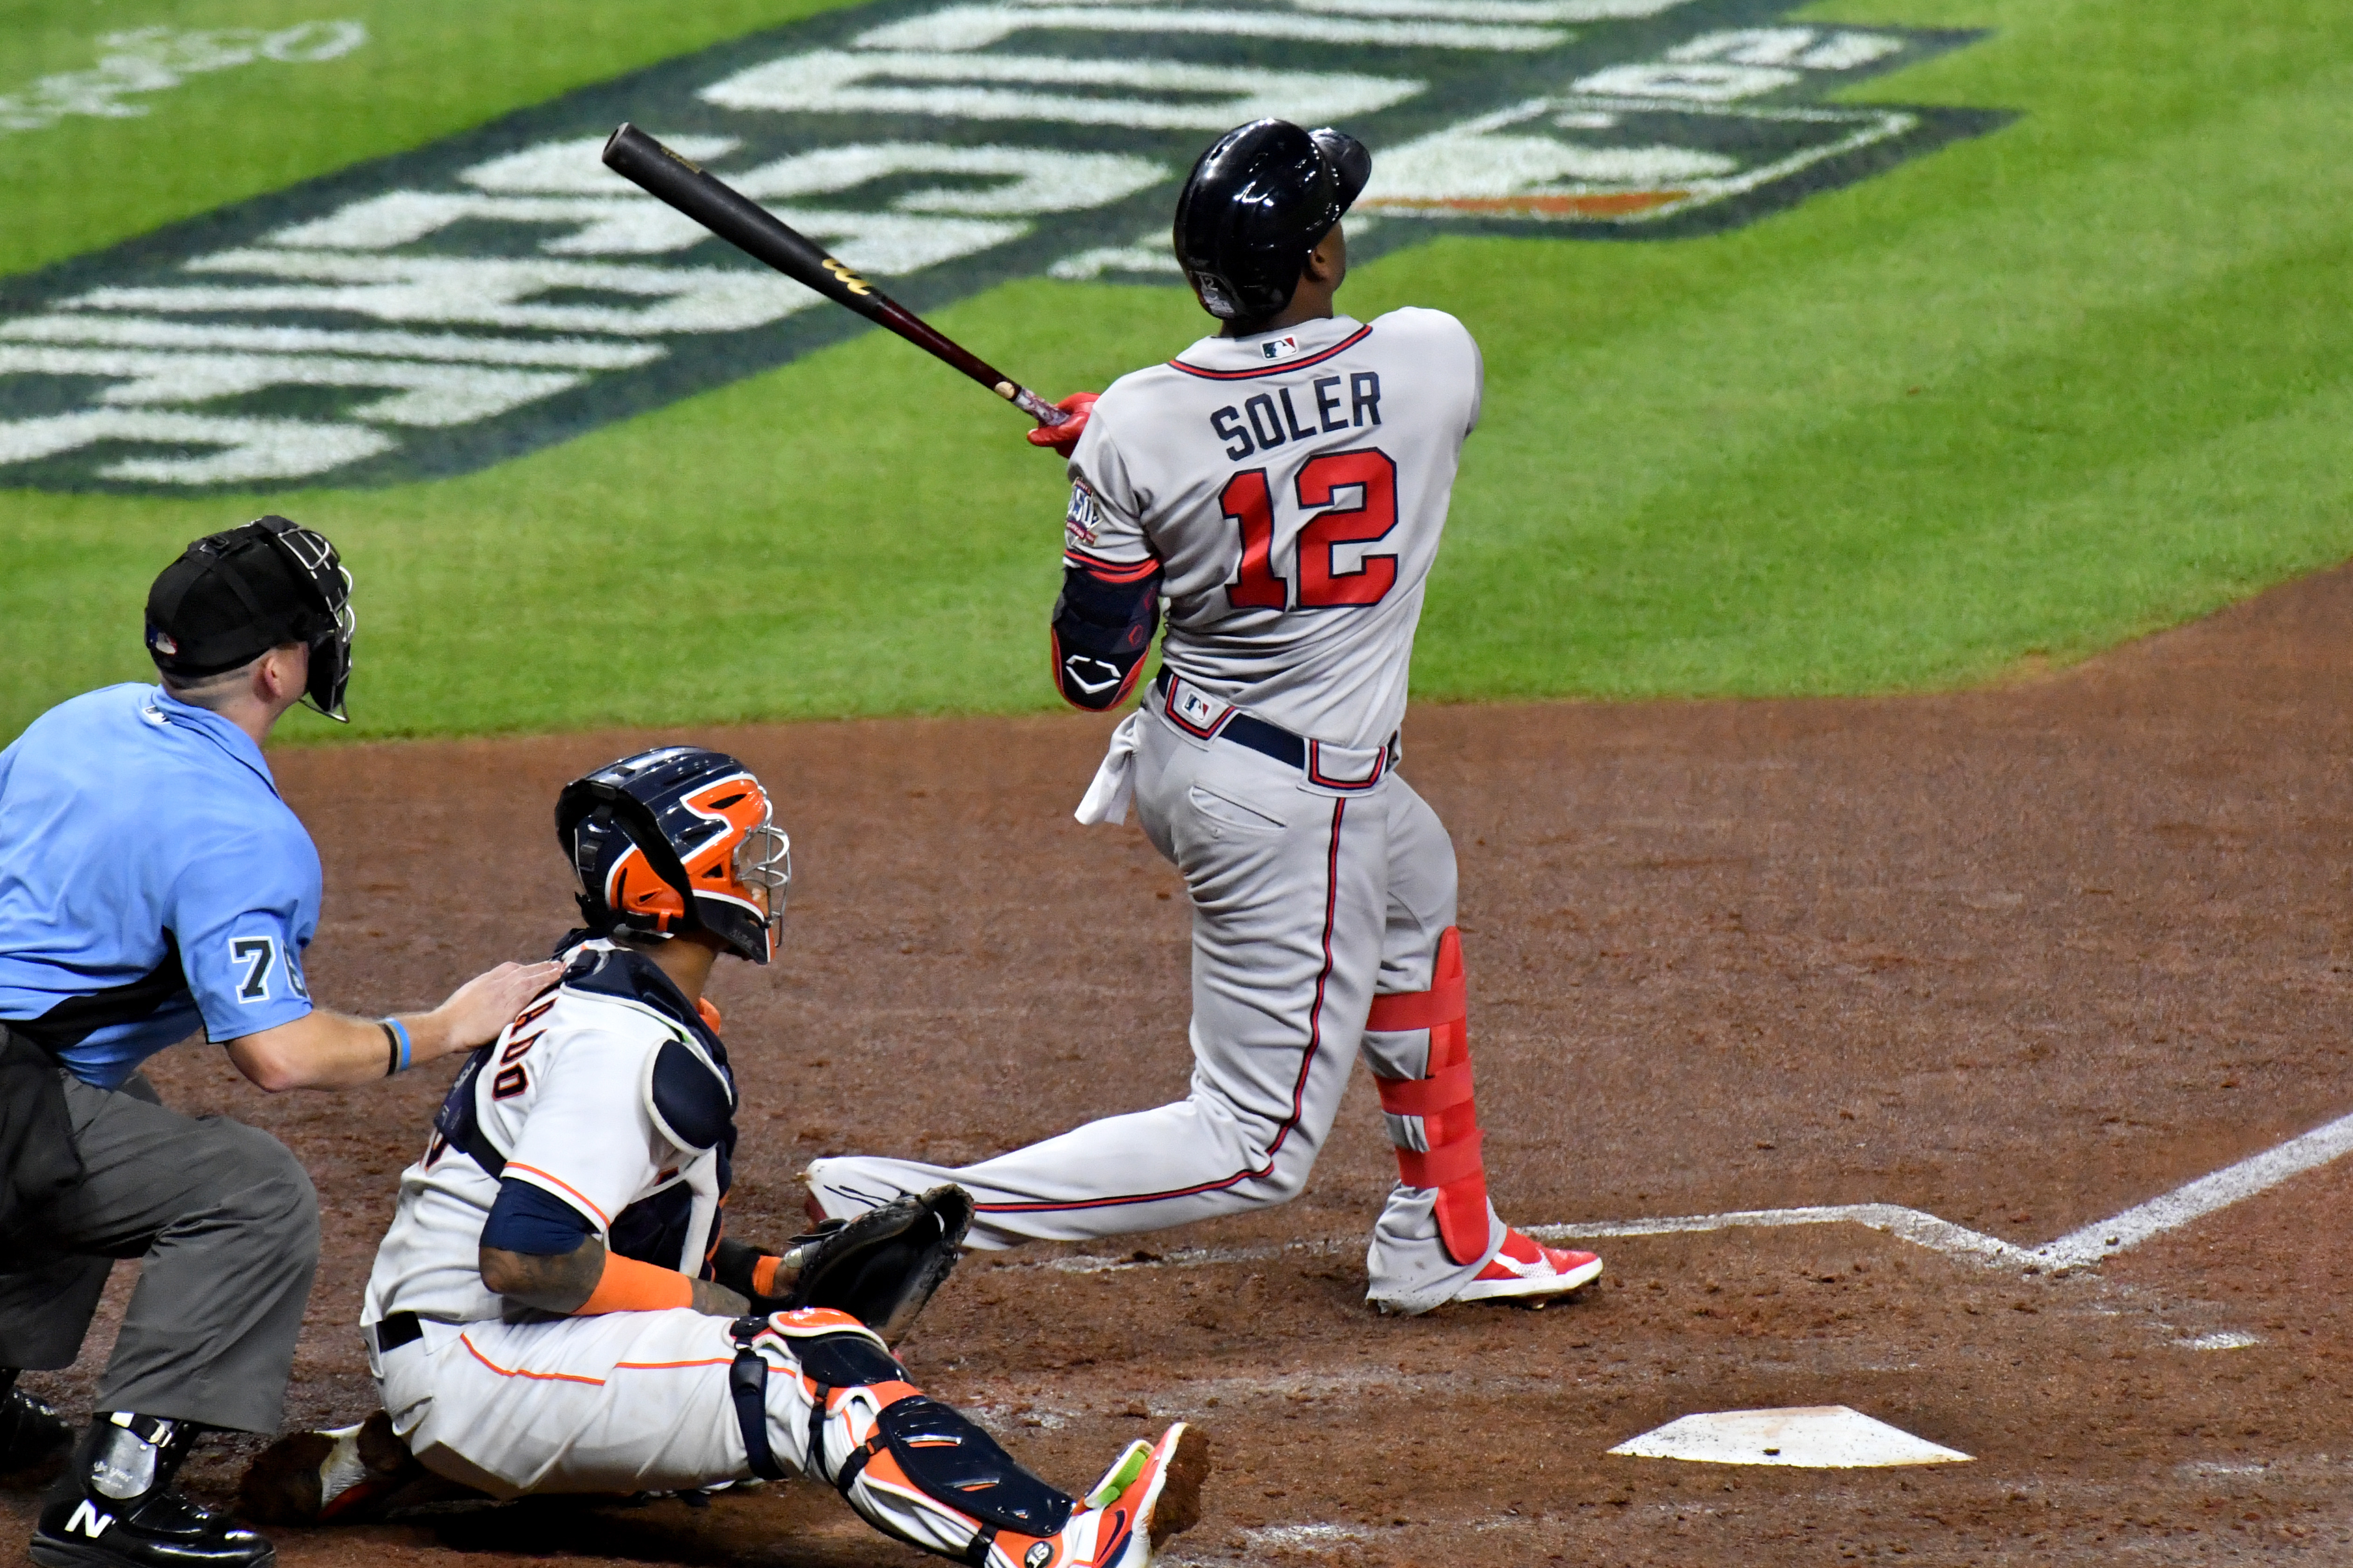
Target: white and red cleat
1523, 1269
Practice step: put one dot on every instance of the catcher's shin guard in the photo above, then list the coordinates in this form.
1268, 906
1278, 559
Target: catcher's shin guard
911, 1466
1433, 1118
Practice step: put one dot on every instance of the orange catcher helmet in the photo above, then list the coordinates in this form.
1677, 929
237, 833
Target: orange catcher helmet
677, 838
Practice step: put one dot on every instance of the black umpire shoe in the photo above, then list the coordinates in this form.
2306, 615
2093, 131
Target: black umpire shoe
115, 1505
31, 1433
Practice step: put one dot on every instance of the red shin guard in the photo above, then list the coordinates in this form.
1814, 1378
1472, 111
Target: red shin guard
1443, 1099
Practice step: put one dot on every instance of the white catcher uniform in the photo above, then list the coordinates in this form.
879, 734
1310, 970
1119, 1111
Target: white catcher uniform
612, 1096
1287, 492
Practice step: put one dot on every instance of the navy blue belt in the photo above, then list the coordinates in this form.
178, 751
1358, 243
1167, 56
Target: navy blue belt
1256, 733
1269, 740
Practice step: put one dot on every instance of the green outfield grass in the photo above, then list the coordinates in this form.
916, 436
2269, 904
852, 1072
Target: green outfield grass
2029, 395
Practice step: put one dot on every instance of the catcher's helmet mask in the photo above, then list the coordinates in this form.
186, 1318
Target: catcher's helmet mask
1256, 204
221, 605
702, 825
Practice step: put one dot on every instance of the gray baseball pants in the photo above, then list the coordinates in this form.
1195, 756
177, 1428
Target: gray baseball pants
226, 1225
1306, 903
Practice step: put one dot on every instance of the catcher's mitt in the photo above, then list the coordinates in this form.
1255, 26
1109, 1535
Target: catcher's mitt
880, 1267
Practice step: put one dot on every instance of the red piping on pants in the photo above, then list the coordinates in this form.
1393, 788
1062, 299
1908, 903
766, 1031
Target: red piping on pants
1298, 1088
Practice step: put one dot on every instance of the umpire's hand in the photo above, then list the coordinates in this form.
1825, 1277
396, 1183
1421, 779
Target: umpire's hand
334, 1050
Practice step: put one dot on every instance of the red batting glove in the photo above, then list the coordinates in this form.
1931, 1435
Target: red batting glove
1062, 438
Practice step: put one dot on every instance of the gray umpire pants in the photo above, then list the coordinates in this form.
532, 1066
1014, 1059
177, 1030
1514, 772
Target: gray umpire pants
225, 1225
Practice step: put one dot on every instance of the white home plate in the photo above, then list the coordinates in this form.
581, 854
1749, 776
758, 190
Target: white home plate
1815, 1438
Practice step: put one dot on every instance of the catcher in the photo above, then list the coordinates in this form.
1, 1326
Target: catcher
555, 1309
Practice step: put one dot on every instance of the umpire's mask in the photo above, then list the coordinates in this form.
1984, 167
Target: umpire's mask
231, 597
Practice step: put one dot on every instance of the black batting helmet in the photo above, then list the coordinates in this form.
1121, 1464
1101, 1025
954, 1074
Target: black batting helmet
1257, 202
677, 838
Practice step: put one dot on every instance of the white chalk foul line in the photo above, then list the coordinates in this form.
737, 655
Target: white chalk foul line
2197, 1199
1909, 1225
2077, 1249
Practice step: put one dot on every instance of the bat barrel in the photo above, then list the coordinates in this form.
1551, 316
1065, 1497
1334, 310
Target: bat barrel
725, 212
761, 234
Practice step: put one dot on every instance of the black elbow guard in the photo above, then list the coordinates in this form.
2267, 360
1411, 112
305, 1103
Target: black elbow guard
1102, 629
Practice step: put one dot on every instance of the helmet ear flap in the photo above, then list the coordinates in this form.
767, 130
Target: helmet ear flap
579, 849
592, 803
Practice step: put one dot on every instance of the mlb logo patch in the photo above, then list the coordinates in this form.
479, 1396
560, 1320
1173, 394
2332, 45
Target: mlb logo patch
1283, 347
1194, 710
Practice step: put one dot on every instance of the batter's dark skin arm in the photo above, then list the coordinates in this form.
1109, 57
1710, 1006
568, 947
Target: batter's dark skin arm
562, 1282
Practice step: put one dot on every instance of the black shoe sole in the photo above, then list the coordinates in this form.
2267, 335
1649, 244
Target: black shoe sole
51, 1553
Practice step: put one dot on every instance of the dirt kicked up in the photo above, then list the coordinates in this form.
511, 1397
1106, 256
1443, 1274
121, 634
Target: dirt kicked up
2019, 958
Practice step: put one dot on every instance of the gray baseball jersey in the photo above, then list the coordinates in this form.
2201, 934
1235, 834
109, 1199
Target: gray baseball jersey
1292, 486
1290, 489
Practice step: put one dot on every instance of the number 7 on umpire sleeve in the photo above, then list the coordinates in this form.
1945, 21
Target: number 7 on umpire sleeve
256, 953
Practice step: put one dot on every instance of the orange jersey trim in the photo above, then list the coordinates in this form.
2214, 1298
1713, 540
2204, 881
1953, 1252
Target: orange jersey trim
602, 1217
1109, 570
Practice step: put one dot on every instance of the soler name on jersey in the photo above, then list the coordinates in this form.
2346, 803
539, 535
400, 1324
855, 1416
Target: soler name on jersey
1270, 418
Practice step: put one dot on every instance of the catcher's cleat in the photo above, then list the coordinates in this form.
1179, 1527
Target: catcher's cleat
352, 1475
1523, 1269
1151, 1492
31, 1432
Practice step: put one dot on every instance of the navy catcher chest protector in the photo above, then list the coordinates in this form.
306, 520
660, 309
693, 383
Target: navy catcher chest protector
1256, 203
691, 1094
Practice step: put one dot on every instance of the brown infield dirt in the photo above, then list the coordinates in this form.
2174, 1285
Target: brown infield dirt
2020, 957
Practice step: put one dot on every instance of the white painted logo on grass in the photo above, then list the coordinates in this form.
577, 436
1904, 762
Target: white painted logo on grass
134, 65
443, 309
1811, 1437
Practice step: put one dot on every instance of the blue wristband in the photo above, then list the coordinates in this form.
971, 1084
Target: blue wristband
398, 1033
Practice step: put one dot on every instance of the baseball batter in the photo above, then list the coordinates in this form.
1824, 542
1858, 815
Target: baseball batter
556, 1309
1282, 486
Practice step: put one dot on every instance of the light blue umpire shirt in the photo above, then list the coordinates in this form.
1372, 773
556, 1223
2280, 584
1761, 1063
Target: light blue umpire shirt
152, 882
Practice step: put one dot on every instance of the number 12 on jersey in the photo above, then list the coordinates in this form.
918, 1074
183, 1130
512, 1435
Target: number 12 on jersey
1249, 502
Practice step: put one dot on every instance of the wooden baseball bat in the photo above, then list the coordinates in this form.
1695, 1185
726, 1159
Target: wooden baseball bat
760, 234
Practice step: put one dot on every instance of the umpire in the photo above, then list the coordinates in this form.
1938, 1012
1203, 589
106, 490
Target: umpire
154, 884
